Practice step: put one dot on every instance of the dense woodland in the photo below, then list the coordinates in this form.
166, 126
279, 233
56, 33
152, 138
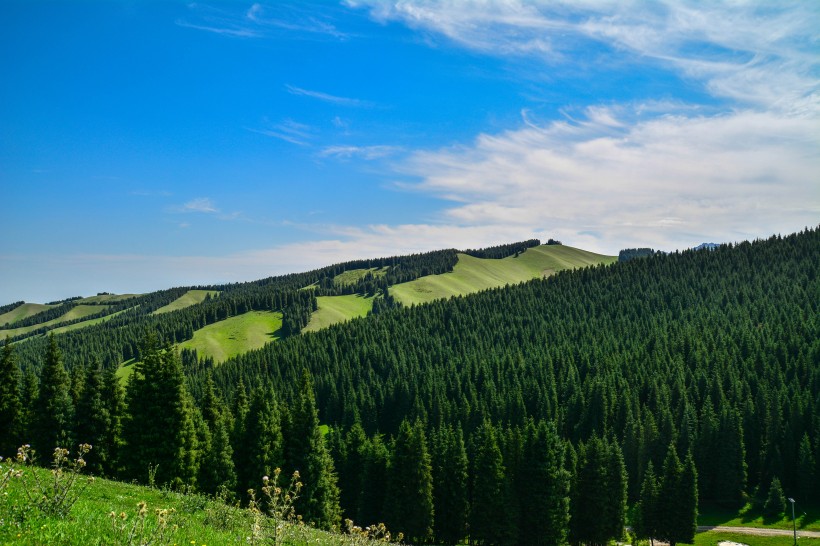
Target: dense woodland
533, 414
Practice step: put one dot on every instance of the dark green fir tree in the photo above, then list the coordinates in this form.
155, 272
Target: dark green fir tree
53, 410
11, 408
409, 503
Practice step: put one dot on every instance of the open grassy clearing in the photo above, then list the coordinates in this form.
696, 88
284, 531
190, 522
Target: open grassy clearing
808, 517
713, 538
474, 274
353, 275
86, 323
77, 312
108, 298
189, 298
335, 309
24, 311
235, 335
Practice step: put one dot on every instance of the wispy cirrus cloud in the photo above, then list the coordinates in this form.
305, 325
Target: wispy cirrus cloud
289, 131
199, 204
260, 21
327, 97
364, 152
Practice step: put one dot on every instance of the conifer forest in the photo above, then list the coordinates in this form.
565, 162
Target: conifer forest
557, 411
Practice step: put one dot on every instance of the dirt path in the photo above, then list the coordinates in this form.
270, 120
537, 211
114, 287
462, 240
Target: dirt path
757, 531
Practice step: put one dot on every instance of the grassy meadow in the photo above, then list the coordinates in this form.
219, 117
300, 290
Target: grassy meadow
189, 298
353, 275
24, 311
77, 312
475, 274
335, 309
235, 335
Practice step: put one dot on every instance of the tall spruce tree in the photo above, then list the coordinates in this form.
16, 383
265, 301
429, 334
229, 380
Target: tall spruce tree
11, 409
450, 481
545, 499
260, 448
589, 505
53, 411
490, 520
646, 510
409, 504
158, 430
92, 419
307, 453
216, 470
677, 506
109, 446
374, 482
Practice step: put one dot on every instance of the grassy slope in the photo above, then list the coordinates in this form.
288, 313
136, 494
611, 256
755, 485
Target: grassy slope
474, 274
24, 311
334, 309
199, 521
353, 275
189, 298
808, 517
77, 312
110, 298
230, 337
86, 323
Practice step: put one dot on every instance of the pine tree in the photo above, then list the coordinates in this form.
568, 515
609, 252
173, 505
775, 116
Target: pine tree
216, 470
261, 448
109, 446
92, 418
677, 506
646, 512
53, 411
775, 501
307, 453
730, 467
11, 409
616, 487
374, 482
29, 393
159, 429
351, 469
450, 481
806, 471
590, 495
545, 499
409, 503
490, 522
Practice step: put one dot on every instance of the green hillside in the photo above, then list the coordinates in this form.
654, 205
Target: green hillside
235, 335
24, 311
191, 297
474, 274
108, 298
353, 275
335, 309
77, 312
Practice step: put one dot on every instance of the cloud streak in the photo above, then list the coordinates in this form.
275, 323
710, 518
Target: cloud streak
326, 97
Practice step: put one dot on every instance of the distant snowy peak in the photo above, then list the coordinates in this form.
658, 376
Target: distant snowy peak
706, 246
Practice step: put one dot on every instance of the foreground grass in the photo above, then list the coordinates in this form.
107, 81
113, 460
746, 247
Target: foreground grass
107, 511
189, 298
472, 275
235, 335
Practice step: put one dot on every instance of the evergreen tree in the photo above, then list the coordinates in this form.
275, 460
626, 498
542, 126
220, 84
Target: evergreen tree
92, 419
216, 470
53, 411
450, 481
806, 471
374, 482
409, 502
646, 511
11, 409
775, 501
307, 453
109, 446
260, 450
351, 469
677, 500
616, 487
29, 393
545, 499
730, 467
490, 521
158, 429
590, 495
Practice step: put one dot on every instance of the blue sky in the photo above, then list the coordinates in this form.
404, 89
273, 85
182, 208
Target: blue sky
145, 145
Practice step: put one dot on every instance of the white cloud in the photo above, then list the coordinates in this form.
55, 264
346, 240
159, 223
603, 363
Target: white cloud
672, 181
200, 204
365, 152
289, 131
326, 97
